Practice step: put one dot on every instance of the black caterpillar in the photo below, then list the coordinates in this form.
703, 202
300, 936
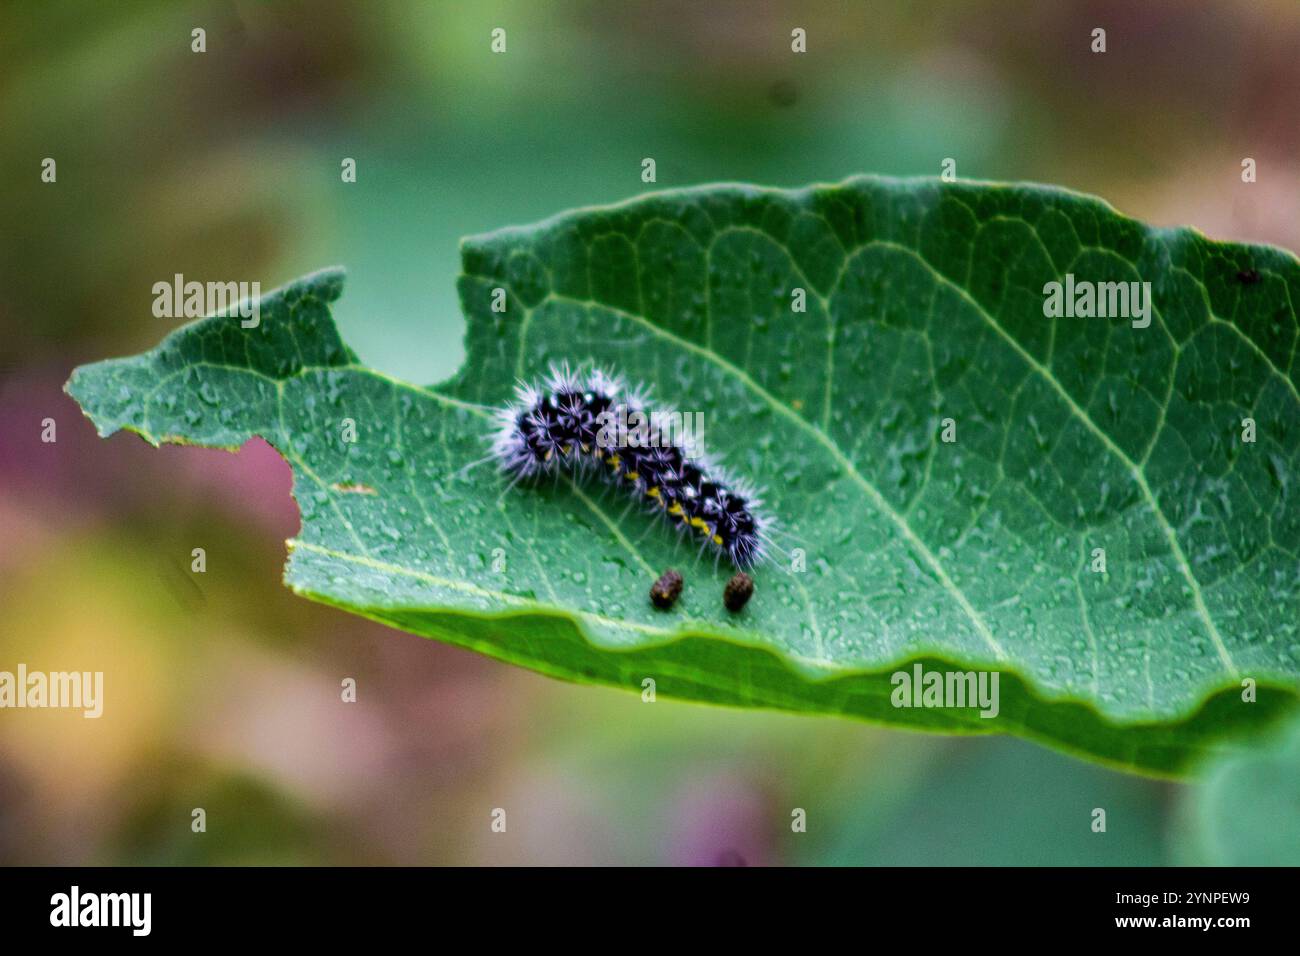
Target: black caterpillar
578, 422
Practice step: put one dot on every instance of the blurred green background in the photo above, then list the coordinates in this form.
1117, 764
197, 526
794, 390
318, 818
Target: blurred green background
222, 689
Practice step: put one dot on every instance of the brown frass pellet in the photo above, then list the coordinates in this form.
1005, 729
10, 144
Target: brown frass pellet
738, 591
665, 591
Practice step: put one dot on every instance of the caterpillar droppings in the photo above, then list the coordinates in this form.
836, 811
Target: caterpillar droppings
565, 423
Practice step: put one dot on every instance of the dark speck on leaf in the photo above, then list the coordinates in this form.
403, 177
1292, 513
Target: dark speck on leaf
1247, 276
783, 93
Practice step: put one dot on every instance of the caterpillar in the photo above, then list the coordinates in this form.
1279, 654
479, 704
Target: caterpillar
567, 421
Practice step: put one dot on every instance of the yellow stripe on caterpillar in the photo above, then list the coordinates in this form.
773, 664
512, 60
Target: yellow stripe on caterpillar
553, 423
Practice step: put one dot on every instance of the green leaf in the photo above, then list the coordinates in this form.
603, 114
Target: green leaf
925, 302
